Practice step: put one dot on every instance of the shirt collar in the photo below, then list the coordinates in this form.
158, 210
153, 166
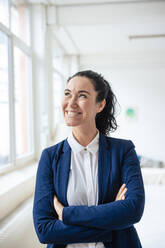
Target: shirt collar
76, 147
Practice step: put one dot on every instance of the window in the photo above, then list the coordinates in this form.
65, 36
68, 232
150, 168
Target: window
16, 126
20, 21
63, 67
4, 10
58, 92
22, 96
4, 102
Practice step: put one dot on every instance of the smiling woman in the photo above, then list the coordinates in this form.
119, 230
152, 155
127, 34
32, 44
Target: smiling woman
79, 105
89, 188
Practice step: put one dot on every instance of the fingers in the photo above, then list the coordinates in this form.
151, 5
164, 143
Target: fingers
122, 196
58, 207
121, 193
55, 198
56, 202
121, 188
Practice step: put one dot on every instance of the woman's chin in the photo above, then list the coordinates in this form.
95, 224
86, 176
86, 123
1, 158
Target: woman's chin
72, 124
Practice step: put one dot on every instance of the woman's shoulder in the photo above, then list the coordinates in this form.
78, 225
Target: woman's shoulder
120, 142
54, 149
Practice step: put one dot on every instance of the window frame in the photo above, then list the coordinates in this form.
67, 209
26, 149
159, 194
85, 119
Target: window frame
14, 41
52, 123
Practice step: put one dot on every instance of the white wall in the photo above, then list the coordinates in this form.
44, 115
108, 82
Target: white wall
18, 229
139, 84
145, 90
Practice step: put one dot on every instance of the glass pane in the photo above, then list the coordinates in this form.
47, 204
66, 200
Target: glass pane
57, 63
4, 12
4, 102
58, 92
20, 21
22, 91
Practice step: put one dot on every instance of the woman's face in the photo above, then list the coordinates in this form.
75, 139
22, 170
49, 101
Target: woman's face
79, 105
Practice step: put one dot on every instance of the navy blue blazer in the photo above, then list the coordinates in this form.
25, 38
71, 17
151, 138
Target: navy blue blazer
110, 222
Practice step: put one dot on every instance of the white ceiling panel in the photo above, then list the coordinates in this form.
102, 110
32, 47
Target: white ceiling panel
115, 38
77, 2
91, 29
86, 2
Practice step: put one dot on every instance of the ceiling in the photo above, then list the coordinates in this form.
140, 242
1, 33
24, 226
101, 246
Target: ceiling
82, 2
89, 27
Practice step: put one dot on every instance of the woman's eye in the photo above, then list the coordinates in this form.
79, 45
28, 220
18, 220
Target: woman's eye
83, 95
66, 93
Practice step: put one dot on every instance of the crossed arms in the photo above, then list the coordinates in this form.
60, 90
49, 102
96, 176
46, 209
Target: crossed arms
83, 224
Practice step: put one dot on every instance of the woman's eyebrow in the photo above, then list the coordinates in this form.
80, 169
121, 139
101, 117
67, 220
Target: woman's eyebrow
80, 91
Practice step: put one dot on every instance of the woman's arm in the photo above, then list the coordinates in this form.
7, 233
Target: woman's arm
119, 214
48, 228
59, 207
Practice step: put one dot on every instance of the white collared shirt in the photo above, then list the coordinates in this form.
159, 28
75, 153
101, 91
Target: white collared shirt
83, 179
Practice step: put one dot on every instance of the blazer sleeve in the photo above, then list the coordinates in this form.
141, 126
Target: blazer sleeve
48, 228
118, 214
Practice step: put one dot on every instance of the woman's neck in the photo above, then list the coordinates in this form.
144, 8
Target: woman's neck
84, 137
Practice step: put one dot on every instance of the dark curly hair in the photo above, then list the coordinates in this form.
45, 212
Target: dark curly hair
105, 120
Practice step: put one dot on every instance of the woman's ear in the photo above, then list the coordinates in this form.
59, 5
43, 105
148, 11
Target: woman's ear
101, 105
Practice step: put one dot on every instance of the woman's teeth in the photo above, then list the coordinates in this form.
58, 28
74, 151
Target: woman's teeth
72, 114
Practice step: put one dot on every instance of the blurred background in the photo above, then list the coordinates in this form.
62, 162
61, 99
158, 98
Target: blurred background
42, 43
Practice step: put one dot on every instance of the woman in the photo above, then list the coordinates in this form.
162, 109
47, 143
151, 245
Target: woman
89, 189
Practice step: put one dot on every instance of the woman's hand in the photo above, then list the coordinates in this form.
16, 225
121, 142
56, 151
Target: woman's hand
121, 193
58, 207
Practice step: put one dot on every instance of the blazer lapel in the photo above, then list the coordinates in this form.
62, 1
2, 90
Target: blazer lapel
63, 170
62, 173
104, 167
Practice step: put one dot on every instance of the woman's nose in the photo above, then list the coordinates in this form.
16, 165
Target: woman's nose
73, 101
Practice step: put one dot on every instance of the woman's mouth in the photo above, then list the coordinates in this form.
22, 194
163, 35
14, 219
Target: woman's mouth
72, 113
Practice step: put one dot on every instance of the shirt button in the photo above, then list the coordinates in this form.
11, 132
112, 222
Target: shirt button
85, 149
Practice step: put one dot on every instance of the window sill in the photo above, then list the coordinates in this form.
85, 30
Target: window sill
153, 175
15, 188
